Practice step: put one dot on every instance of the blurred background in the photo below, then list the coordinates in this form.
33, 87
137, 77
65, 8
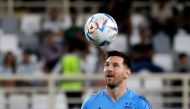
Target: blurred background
47, 63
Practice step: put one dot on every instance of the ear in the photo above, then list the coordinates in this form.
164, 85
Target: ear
127, 73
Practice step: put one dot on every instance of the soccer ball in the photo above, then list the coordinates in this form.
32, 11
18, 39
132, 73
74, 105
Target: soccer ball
100, 29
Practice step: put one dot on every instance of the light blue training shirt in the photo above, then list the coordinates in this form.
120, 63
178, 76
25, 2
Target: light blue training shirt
130, 100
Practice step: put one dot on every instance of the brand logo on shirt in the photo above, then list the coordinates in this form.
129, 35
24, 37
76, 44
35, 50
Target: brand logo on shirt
128, 106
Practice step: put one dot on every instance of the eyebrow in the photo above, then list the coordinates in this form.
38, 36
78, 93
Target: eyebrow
111, 63
106, 63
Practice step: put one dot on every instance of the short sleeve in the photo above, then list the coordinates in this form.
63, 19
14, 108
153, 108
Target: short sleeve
144, 103
83, 106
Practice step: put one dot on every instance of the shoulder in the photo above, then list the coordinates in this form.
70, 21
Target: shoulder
91, 99
142, 102
94, 97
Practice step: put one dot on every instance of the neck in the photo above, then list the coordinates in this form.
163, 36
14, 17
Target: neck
116, 92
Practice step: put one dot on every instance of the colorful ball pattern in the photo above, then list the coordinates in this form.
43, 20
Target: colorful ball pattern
101, 29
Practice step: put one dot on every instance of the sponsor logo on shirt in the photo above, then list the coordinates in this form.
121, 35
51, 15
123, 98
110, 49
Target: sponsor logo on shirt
128, 106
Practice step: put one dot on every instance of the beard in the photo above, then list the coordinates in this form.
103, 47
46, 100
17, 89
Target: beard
113, 85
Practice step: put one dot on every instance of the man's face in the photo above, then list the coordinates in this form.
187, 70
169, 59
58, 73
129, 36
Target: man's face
115, 71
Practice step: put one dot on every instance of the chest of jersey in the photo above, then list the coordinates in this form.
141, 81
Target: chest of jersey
106, 103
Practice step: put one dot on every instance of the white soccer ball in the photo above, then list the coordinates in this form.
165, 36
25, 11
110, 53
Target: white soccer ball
101, 29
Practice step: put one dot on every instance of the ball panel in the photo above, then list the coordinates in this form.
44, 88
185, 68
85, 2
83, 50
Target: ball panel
101, 29
105, 42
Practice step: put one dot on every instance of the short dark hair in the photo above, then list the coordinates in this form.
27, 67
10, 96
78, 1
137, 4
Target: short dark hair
182, 55
126, 59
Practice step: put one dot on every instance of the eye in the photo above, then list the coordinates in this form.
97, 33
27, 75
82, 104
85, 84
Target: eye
106, 64
115, 65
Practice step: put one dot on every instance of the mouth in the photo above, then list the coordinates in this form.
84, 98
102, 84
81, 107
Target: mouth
109, 76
